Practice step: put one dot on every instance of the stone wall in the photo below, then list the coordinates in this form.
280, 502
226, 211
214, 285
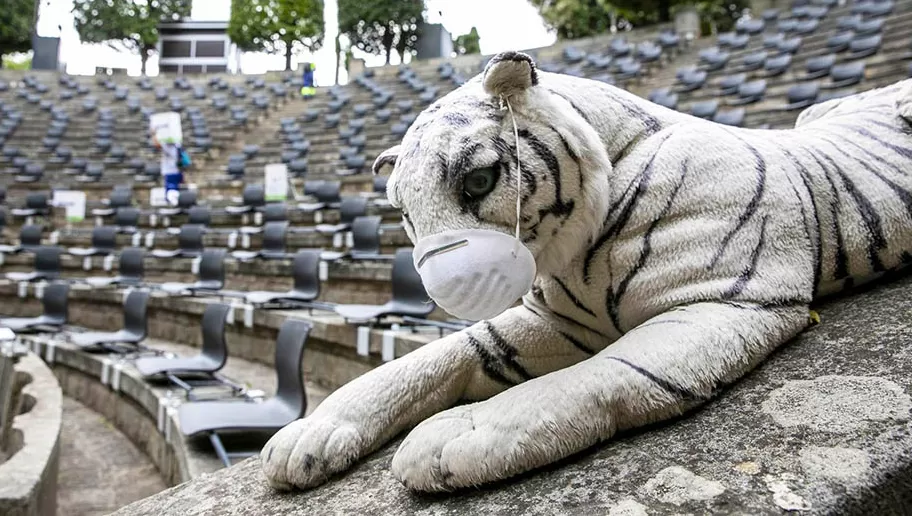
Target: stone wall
28, 478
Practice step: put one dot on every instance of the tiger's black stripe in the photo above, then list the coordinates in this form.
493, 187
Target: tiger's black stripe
666, 385
841, 260
508, 352
577, 344
573, 299
748, 273
559, 207
488, 362
760, 169
902, 151
818, 251
461, 161
614, 298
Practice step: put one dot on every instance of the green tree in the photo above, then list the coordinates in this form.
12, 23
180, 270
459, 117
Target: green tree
17, 18
468, 43
573, 19
381, 26
126, 23
277, 26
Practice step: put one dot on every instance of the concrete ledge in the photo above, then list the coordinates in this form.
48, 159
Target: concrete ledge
28, 479
822, 427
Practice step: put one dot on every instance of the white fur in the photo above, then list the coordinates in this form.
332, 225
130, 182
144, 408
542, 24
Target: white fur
691, 253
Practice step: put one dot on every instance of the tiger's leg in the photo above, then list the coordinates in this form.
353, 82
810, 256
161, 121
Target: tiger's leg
665, 366
367, 412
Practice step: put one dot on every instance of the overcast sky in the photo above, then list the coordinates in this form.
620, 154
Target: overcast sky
504, 25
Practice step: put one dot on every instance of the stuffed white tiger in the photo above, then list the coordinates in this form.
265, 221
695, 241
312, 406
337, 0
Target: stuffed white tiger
673, 254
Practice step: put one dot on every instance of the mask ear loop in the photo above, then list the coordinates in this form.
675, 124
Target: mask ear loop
518, 165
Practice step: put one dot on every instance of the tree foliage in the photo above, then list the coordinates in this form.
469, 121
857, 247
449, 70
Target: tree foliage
381, 26
17, 18
276, 26
468, 43
126, 23
573, 19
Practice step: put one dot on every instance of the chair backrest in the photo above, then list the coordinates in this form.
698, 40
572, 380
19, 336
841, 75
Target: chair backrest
121, 197
351, 208
366, 235
104, 237
130, 267
213, 327
126, 217
135, 306
30, 235
55, 301
199, 215
47, 259
37, 201
274, 236
289, 368
212, 266
275, 211
407, 286
254, 195
306, 272
328, 191
191, 238
186, 199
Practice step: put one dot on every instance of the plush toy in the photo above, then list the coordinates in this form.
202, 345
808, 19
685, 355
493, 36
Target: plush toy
670, 255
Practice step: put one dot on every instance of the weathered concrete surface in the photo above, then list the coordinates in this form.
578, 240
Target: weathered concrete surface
100, 469
822, 427
28, 480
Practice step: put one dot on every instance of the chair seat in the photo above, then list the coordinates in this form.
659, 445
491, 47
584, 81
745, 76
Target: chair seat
238, 210
245, 256
331, 229
166, 253
263, 297
331, 256
176, 288
211, 416
310, 207
97, 338
364, 312
103, 281
23, 212
169, 212
151, 366
19, 324
26, 276
274, 255
250, 230
10, 249
86, 251
103, 212
355, 255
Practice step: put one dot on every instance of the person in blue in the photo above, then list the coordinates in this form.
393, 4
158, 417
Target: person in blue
308, 89
171, 165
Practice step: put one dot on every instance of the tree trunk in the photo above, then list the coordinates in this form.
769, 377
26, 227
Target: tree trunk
288, 56
143, 57
338, 59
389, 51
664, 11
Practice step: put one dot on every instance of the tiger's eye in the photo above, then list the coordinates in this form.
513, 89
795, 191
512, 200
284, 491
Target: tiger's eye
480, 182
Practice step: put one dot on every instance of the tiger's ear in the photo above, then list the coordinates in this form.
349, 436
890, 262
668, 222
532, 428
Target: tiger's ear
508, 73
386, 160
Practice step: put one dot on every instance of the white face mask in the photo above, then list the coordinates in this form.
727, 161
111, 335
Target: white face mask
476, 274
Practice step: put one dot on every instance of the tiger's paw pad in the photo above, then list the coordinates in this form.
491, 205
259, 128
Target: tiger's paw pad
450, 451
307, 452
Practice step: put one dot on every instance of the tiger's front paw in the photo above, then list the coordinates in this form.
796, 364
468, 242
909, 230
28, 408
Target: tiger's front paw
464, 446
307, 452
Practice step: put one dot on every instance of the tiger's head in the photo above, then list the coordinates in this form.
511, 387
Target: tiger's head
456, 167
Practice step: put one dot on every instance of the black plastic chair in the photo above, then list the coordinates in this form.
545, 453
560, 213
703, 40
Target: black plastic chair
848, 74
350, 208
733, 117
135, 327
47, 266
691, 80
272, 212
749, 92
864, 47
366, 239
753, 61
120, 198
211, 278
189, 243
54, 301
36, 203
704, 109
130, 270
729, 84
126, 220
213, 353
186, 199
253, 197
289, 403
802, 95
326, 194
273, 247
29, 240
817, 67
409, 296
306, 273
777, 65
104, 242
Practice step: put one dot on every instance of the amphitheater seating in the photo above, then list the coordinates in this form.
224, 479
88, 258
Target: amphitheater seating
29, 240
289, 403
211, 276
130, 270
306, 289
409, 297
47, 266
